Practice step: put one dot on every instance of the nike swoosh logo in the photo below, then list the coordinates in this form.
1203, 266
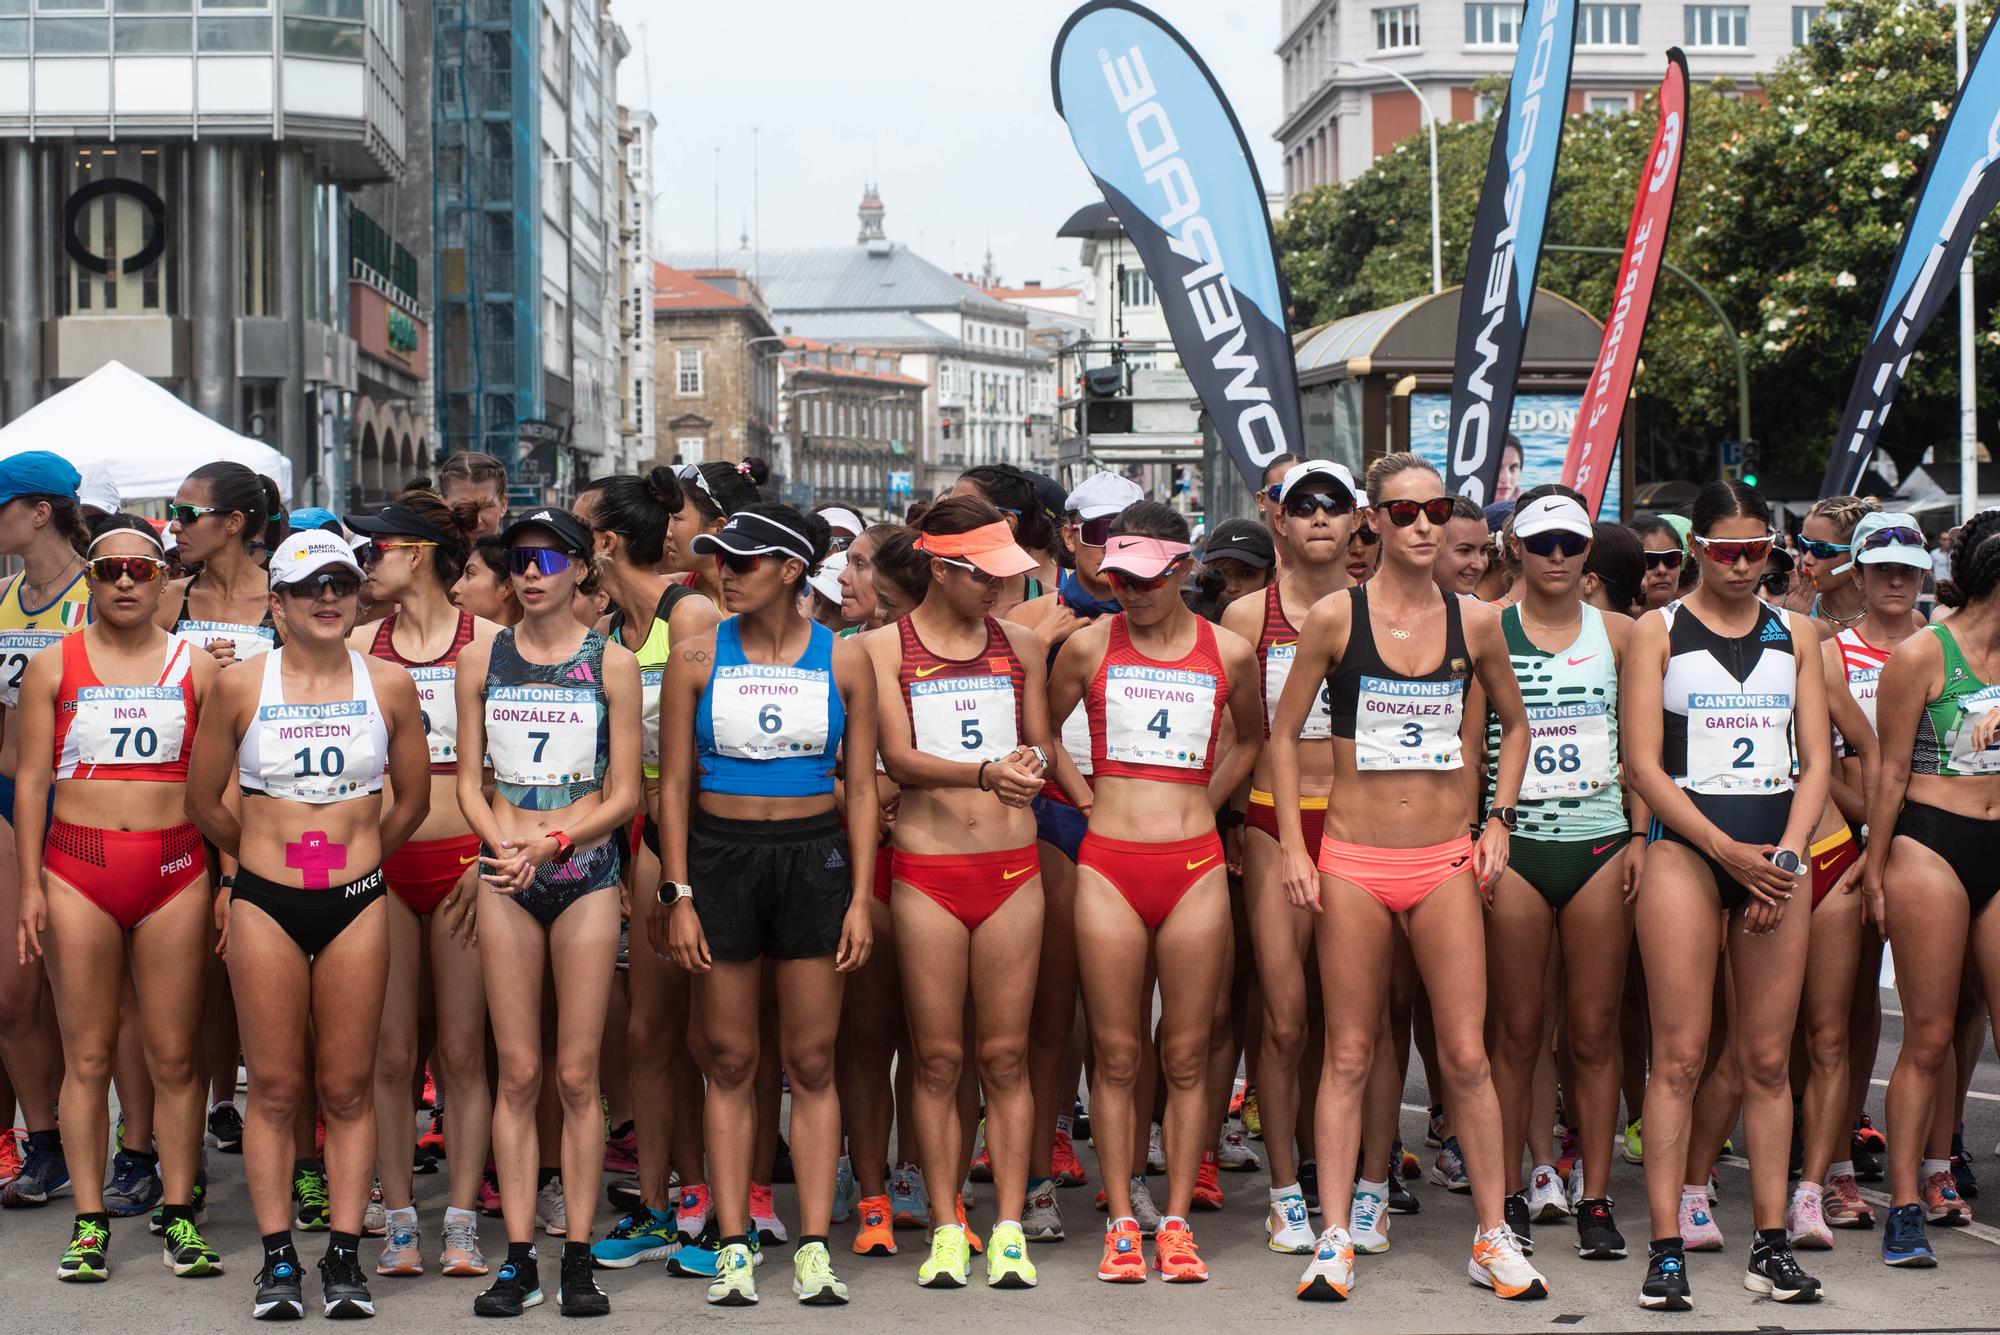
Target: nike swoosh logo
467, 862
1573, 662
1204, 862
1828, 864
1599, 848
1010, 875
925, 672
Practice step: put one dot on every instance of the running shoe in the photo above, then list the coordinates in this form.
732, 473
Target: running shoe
225, 1128
86, 1260
1235, 1108
971, 1234
1234, 1154
908, 1201
844, 1191
1329, 1277
1573, 1188
135, 1185
43, 1173
1156, 1151
1289, 1225
1066, 1168
427, 1098
1449, 1170
1177, 1256
1368, 1223
877, 1237
1903, 1239
1666, 1286
1569, 1149
691, 1214
621, 1152
764, 1216
1775, 1273
1633, 1147
1401, 1199
1124, 1260
1007, 1263
432, 1140
1434, 1128
1961, 1167
813, 1280
187, 1253
1942, 1203
1597, 1235
343, 1292
982, 1162
622, 1194
1309, 1184
1868, 1150
551, 1209
156, 1222
280, 1296
401, 1254
1251, 1115
1514, 1208
1042, 1220
1207, 1185
10, 1156
950, 1257
648, 1235
309, 1214
510, 1294
1805, 1224
460, 1257
375, 1219
1143, 1209
489, 1191
1548, 1200
1699, 1231
1842, 1205
1795, 1164
577, 1294
735, 1278
1404, 1162
699, 1257
1080, 1119
1497, 1264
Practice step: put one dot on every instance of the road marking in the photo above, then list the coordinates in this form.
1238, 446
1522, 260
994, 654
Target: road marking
1970, 1093
1985, 1233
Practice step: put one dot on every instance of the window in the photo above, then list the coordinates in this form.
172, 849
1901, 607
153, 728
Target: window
1396, 29
1615, 103
1608, 25
1488, 24
1803, 18
689, 448
1135, 286
687, 372
1718, 25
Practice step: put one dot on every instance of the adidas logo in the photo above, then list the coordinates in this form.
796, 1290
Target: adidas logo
581, 672
1773, 632
540, 516
835, 860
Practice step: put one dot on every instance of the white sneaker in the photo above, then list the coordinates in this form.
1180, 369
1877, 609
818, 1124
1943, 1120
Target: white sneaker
1368, 1223
1156, 1154
550, 1210
1575, 1186
1329, 1278
1234, 1155
1042, 1220
1143, 1209
1805, 1223
1547, 1202
1497, 1264
1289, 1226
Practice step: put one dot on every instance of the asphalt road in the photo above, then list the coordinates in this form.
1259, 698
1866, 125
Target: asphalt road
1419, 1285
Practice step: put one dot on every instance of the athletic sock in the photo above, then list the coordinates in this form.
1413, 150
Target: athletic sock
1379, 1190
346, 1245
737, 1240
278, 1247
1004, 1223
1035, 1184
1845, 1168
404, 1214
1805, 1188
1933, 1166
170, 1213
452, 1214
1695, 1189
808, 1238
547, 1176
1768, 1238
101, 1218
1279, 1193
1065, 1123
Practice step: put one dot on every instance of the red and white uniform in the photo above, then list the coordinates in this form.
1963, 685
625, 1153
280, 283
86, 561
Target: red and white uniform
1861, 663
962, 709
1154, 720
1277, 647
142, 733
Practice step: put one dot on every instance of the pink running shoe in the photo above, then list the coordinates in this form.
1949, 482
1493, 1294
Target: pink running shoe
1699, 1232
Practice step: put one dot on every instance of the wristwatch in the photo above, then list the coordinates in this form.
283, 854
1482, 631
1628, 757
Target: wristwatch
565, 846
1788, 862
673, 892
1507, 816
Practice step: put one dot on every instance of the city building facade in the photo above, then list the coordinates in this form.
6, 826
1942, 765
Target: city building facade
637, 390
716, 377
851, 418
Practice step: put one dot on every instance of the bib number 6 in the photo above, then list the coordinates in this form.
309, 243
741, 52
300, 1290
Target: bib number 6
769, 719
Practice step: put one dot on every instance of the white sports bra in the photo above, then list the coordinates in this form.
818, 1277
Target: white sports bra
314, 753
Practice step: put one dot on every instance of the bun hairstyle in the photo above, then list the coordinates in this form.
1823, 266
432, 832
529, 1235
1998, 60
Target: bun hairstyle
1975, 562
1618, 561
958, 514
235, 489
757, 470
1389, 465
898, 561
456, 522
1151, 519
1726, 498
1011, 490
637, 510
914, 512
1844, 512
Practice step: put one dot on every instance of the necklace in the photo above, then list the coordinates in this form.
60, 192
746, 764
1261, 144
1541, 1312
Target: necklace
42, 586
1398, 632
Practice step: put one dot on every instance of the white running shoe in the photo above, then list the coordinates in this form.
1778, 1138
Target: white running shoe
1329, 1278
375, 1219
1368, 1223
1042, 1220
1234, 1155
1143, 1209
1575, 1185
1805, 1223
550, 1210
1156, 1153
1497, 1264
1547, 1202
1289, 1226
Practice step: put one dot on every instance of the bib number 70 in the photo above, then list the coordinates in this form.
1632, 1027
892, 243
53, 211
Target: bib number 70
143, 742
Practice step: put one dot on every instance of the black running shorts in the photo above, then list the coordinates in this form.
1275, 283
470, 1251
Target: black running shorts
770, 888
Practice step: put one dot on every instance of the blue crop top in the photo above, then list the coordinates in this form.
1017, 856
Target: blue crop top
765, 730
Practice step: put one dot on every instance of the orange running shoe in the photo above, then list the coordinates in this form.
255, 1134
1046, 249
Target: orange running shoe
1102, 1206
971, 1238
877, 1237
1175, 1254
1207, 1186
982, 1167
1124, 1258
10, 1156
1064, 1166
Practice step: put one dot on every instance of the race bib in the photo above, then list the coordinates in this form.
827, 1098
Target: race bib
964, 718
1277, 671
541, 736
1158, 716
1402, 724
316, 753
1076, 738
767, 712
1861, 684
249, 640
1972, 708
16, 648
129, 725
650, 680
1739, 743
436, 696
1569, 751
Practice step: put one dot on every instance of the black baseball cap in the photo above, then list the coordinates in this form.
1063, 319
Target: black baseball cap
1049, 494
569, 530
396, 520
1243, 540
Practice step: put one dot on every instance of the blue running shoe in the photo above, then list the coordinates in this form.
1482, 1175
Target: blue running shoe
1904, 1242
43, 1172
135, 1185
702, 1259
909, 1204
645, 1235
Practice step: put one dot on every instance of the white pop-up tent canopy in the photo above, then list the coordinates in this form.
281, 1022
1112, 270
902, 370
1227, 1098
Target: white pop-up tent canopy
148, 438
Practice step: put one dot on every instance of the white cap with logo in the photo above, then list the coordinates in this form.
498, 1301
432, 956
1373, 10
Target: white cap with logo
1551, 514
1300, 474
307, 553
1103, 494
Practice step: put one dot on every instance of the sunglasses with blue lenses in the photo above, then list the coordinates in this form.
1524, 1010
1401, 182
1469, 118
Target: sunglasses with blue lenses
1559, 545
546, 560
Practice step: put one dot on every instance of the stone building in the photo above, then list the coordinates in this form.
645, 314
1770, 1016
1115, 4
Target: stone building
715, 366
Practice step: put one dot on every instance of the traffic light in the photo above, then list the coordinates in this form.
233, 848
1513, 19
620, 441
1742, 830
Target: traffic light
944, 421
1751, 467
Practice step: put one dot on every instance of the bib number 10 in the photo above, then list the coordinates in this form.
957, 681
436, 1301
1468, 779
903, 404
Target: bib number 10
1564, 759
332, 761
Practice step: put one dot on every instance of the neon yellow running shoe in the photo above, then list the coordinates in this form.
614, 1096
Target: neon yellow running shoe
950, 1255
1007, 1263
813, 1280
85, 1260
1634, 1145
735, 1278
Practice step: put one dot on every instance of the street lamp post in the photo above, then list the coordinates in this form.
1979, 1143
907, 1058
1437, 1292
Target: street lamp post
1430, 125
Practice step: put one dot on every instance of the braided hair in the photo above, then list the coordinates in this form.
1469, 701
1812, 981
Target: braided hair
1975, 562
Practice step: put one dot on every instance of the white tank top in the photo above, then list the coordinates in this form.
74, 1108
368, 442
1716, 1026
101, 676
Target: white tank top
314, 753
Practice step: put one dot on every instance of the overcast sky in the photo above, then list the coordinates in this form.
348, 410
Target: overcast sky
945, 102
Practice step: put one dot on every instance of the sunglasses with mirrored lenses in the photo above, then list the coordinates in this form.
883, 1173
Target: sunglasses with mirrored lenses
1271, 492
1093, 532
1133, 584
1304, 505
370, 553
1892, 537
138, 569
315, 586
1728, 551
547, 560
1561, 546
1823, 551
1404, 513
1670, 559
740, 563
978, 576
186, 514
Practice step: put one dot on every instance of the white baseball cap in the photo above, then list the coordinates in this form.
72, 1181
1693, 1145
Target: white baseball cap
1103, 494
306, 553
98, 490
839, 518
1551, 514
1298, 474
825, 581
1903, 543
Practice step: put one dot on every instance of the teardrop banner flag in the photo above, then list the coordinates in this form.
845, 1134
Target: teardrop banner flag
1158, 136
1593, 443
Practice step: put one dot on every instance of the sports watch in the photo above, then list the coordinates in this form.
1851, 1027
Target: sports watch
673, 892
565, 846
1786, 861
1507, 816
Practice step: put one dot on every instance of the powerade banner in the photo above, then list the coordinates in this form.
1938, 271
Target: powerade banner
1587, 465
1958, 189
1539, 429
1159, 138
1506, 246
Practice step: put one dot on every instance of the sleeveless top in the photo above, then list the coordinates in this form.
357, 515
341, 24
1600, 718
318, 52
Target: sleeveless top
769, 729
652, 654
966, 709
1399, 722
1154, 720
25, 632
1861, 663
249, 640
1944, 732
1728, 703
548, 730
314, 753
125, 732
1277, 647
436, 684
1571, 789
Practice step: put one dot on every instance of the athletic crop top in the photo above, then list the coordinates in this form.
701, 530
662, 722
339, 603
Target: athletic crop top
966, 709
1571, 788
1944, 732
1861, 663
1728, 700
652, 654
768, 729
124, 732
547, 728
1400, 722
436, 688
249, 640
314, 753
1277, 647
1154, 720
25, 632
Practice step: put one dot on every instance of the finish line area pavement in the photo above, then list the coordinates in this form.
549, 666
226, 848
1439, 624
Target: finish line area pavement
1418, 1286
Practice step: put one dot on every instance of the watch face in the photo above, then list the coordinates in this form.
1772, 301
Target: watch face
1786, 860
